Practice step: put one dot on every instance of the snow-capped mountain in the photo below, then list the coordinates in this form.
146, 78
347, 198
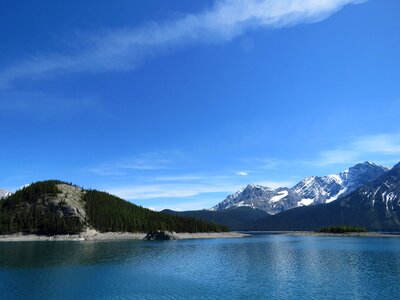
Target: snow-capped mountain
4, 193
310, 190
375, 206
260, 197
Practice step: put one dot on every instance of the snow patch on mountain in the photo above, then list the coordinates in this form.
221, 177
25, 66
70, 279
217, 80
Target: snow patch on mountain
305, 202
278, 197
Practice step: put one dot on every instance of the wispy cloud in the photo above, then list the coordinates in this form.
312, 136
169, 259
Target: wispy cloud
386, 146
164, 179
124, 49
150, 191
383, 143
191, 186
184, 190
242, 173
141, 162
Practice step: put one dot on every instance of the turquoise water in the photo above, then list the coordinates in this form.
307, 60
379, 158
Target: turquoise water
258, 267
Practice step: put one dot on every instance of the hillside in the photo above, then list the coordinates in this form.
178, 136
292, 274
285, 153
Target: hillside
234, 218
375, 206
55, 207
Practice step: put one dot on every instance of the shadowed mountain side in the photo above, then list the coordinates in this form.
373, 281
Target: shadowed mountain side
234, 219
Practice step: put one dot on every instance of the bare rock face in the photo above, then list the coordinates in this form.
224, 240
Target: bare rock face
70, 202
160, 236
67, 203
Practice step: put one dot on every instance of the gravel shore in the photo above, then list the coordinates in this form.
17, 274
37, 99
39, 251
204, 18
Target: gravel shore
93, 235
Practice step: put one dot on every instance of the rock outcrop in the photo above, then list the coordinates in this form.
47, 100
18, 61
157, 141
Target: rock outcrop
161, 236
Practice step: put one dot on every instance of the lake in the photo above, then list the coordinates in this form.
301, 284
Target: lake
263, 266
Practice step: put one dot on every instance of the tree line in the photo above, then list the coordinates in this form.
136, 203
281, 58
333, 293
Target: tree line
342, 229
110, 213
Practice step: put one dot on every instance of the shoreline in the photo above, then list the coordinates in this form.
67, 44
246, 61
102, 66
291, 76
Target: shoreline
93, 235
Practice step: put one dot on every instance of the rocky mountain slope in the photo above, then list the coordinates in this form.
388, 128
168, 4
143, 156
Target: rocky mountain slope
309, 191
375, 206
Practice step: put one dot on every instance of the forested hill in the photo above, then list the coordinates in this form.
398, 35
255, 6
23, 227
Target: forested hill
55, 207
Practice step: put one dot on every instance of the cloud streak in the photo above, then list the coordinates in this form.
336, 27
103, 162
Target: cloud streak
384, 145
184, 190
124, 49
150, 161
242, 173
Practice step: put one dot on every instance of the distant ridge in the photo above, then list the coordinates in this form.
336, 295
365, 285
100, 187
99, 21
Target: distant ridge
234, 219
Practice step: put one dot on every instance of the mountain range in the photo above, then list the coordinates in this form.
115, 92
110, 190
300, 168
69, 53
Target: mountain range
309, 191
375, 206
366, 195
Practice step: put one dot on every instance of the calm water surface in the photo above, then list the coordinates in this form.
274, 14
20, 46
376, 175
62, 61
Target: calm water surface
259, 267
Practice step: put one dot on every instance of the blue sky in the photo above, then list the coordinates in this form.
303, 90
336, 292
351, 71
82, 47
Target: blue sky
177, 104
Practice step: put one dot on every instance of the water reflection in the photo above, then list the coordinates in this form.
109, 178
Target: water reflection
259, 267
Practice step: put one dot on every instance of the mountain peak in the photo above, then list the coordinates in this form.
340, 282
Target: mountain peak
256, 186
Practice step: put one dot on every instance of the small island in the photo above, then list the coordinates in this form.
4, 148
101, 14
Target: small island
342, 229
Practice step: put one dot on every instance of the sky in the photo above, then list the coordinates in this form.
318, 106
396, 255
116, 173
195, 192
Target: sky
177, 104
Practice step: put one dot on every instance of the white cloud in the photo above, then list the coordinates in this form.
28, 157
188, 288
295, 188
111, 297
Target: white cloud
383, 143
151, 191
183, 190
384, 146
124, 49
242, 173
